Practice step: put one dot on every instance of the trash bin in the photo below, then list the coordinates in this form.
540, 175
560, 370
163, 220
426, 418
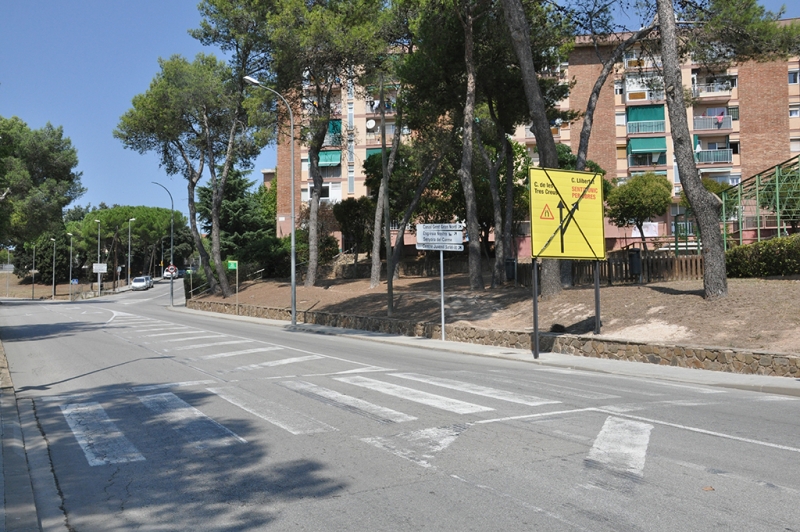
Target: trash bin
511, 269
635, 261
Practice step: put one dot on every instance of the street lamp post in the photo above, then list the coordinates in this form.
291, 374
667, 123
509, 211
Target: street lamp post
129, 250
98, 257
54, 268
171, 239
70, 266
255, 82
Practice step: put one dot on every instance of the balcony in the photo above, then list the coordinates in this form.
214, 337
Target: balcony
712, 91
714, 156
712, 123
646, 126
644, 95
646, 159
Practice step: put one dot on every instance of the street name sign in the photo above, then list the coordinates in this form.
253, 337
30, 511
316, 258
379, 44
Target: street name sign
567, 214
440, 237
99, 267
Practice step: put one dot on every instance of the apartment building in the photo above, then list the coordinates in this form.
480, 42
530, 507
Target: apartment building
743, 121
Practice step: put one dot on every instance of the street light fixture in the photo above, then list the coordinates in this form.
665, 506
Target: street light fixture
54, 268
129, 250
98, 257
70, 266
171, 239
255, 82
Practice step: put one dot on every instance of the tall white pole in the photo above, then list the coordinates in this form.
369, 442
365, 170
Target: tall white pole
129, 250
54, 268
171, 240
98, 257
253, 81
33, 278
70, 266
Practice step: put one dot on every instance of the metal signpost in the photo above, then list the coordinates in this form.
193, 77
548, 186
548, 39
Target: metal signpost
566, 223
234, 265
441, 238
99, 268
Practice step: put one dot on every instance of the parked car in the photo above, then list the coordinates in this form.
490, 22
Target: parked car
168, 275
139, 283
149, 281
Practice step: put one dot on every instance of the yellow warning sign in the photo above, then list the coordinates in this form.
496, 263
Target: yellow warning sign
574, 229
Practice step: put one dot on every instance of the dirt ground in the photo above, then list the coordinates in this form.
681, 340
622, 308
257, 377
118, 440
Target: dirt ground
757, 314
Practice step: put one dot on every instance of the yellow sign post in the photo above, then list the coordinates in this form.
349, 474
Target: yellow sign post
566, 223
567, 214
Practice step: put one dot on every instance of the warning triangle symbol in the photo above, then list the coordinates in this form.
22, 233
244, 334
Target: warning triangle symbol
547, 214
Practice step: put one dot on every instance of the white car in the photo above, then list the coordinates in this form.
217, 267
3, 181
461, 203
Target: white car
139, 283
149, 281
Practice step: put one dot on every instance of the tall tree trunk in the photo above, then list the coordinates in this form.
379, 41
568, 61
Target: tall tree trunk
313, 217
508, 221
706, 206
497, 207
465, 172
548, 157
217, 194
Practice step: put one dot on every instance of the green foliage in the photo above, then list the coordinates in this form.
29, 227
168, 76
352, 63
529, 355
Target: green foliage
37, 172
641, 198
778, 256
355, 218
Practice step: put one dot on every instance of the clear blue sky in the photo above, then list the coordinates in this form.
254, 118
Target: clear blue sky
78, 64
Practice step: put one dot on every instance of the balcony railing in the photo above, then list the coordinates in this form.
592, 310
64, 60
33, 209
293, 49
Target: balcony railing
644, 95
647, 159
714, 156
710, 123
711, 89
647, 126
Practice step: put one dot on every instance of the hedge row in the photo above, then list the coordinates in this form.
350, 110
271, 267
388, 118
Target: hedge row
778, 256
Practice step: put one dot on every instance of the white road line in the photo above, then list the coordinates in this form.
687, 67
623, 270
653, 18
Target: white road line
621, 445
477, 389
273, 363
418, 446
236, 353
532, 416
212, 344
195, 338
699, 389
283, 417
703, 431
161, 329
346, 402
369, 369
187, 331
151, 387
191, 422
101, 440
436, 401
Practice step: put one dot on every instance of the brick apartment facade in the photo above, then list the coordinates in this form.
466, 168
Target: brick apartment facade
743, 121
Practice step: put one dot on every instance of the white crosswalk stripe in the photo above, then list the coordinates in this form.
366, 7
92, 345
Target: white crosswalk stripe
621, 446
410, 394
189, 421
273, 363
243, 352
213, 344
477, 389
101, 440
346, 402
281, 416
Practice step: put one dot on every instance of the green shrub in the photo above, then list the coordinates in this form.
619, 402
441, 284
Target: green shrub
778, 256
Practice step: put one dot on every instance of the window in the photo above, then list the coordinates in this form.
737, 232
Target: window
734, 144
733, 81
351, 179
620, 119
794, 111
733, 112
794, 145
619, 87
622, 152
794, 77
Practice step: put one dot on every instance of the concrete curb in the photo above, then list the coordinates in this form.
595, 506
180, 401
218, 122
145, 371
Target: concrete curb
19, 509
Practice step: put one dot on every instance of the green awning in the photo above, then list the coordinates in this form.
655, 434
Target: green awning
645, 113
374, 151
330, 158
647, 145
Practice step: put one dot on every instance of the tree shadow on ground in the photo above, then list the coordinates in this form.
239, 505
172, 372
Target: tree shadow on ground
674, 292
193, 473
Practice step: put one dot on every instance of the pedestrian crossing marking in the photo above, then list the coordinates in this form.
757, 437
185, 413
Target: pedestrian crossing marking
281, 416
477, 389
213, 344
189, 421
418, 446
273, 363
410, 394
348, 403
236, 353
621, 446
102, 442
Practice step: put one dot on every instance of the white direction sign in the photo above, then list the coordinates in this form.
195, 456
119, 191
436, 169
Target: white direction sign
445, 237
100, 267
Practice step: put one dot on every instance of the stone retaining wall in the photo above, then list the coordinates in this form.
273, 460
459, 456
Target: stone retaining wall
711, 358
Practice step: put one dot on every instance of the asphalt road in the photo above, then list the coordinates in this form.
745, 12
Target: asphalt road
136, 416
